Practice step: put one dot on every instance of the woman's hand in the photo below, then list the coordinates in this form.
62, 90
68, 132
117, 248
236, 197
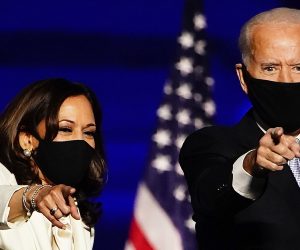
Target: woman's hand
57, 199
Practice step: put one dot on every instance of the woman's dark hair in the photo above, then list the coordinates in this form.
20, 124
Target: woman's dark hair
42, 101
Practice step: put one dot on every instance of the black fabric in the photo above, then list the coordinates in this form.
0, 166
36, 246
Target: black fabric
64, 162
224, 219
274, 102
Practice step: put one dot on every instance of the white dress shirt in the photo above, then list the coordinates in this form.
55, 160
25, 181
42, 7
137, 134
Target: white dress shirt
245, 184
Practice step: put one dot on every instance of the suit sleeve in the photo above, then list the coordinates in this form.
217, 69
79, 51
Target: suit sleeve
207, 167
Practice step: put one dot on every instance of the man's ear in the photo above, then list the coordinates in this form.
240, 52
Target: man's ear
239, 72
26, 141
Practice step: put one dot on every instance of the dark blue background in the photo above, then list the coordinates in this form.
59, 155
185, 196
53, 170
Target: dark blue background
123, 50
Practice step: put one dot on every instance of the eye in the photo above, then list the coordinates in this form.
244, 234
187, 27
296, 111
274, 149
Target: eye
90, 133
269, 68
65, 130
296, 68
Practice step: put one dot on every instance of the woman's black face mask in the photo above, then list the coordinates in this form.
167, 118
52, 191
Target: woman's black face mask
64, 162
276, 103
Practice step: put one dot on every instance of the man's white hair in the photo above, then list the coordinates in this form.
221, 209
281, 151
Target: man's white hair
273, 16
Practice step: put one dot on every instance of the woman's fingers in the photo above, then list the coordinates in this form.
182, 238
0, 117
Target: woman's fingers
59, 194
73, 208
55, 221
56, 202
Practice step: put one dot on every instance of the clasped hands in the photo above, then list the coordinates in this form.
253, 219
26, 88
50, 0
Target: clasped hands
274, 150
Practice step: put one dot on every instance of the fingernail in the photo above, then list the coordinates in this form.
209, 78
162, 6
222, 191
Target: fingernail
64, 227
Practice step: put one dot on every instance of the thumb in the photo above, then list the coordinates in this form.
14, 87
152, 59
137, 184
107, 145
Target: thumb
67, 190
276, 134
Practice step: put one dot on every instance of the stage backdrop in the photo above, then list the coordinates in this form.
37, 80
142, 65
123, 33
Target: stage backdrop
123, 50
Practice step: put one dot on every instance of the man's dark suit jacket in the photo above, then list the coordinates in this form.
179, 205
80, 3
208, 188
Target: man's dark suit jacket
224, 219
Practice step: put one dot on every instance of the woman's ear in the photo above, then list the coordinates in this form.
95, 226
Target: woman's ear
27, 141
238, 69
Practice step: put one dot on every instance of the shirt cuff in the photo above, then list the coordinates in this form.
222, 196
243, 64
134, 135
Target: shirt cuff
245, 184
7, 192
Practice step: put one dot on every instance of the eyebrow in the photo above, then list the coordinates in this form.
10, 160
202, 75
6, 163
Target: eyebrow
70, 121
270, 64
278, 64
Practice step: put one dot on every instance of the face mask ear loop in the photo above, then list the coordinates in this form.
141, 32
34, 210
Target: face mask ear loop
246, 74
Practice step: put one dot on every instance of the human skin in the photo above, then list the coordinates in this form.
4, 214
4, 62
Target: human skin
76, 122
275, 56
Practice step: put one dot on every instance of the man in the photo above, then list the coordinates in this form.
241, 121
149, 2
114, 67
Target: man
242, 179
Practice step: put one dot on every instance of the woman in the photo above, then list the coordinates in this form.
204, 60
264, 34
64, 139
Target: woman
51, 167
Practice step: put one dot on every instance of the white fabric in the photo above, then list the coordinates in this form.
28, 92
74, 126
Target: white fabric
244, 183
37, 233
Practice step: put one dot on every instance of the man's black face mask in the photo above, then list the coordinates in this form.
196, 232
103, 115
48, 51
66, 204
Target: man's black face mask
277, 104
